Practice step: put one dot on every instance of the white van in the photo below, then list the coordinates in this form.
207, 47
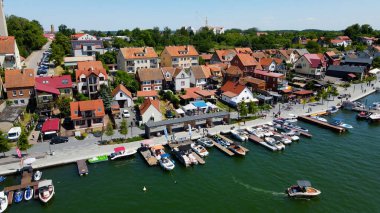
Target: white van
14, 133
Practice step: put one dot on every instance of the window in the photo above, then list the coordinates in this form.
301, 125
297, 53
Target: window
81, 122
182, 83
20, 92
99, 109
65, 81
14, 92
22, 101
121, 94
183, 75
67, 91
76, 112
15, 101
101, 78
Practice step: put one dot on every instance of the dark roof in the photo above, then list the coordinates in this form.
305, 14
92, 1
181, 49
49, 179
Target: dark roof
346, 68
358, 60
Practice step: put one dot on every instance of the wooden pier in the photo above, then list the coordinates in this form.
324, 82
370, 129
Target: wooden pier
199, 159
232, 142
10, 197
223, 149
147, 155
321, 123
173, 145
259, 141
26, 180
82, 167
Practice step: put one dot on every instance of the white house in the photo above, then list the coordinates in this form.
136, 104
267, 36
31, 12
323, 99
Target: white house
181, 79
199, 75
89, 76
83, 36
87, 47
150, 111
123, 96
9, 53
338, 42
235, 93
132, 59
310, 64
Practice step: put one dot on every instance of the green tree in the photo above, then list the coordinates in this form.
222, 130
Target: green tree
29, 34
376, 62
109, 129
243, 110
127, 80
252, 107
23, 143
63, 104
313, 47
123, 128
81, 97
4, 144
105, 95
65, 30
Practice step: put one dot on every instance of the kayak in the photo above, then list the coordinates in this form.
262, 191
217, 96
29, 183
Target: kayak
98, 159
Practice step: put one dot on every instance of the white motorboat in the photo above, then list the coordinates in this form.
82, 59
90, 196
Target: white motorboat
303, 189
239, 135
332, 110
375, 106
283, 139
339, 122
206, 142
184, 155
165, 162
275, 143
375, 117
28, 194
37, 175
3, 201
200, 150
237, 149
45, 190
120, 152
291, 119
294, 138
192, 158
255, 132
319, 118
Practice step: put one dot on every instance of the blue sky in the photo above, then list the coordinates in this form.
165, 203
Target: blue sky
263, 14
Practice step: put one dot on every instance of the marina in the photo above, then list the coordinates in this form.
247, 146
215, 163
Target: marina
322, 124
261, 142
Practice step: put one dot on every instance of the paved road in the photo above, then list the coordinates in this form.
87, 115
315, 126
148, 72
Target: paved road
75, 150
36, 56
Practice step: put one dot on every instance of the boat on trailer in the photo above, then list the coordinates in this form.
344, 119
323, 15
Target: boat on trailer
303, 189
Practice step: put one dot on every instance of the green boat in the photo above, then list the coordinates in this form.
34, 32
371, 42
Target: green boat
98, 159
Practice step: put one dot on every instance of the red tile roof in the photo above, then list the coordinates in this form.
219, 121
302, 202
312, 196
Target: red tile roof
19, 78
234, 70
233, 87
314, 60
243, 50
222, 53
345, 38
270, 74
247, 60
122, 88
147, 103
138, 52
90, 105
7, 44
206, 56
90, 67
77, 35
303, 92
229, 94
152, 93
53, 84
51, 124
179, 51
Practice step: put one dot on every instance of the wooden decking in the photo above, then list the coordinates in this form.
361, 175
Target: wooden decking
82, 167
322, 124
223, 149
199, 159
149, 158
232, 142
255, 139
173, 145
26, 180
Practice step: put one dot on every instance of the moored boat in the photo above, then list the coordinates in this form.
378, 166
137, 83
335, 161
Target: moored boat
120, 152
319, 118
165, 162
45, 190
200, 150
18, 196
332, 109
206, 142
220, 141
303, 189
28, 195
239, 135
362, 115
98, 159
3, 201
375, 117
157, 151
237, 149
339, 122
255, 132
271, 141
37, 175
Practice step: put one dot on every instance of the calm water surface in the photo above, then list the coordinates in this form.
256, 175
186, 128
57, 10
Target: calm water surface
344, 167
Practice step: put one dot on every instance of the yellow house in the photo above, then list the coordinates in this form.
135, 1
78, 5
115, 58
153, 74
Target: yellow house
179, 56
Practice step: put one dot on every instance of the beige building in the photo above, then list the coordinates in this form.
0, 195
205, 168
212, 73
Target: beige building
179, 56
132, 59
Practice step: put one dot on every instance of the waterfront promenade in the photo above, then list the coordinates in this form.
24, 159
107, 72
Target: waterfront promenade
76, 150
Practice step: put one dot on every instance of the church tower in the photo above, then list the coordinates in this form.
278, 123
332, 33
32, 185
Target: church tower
3, 22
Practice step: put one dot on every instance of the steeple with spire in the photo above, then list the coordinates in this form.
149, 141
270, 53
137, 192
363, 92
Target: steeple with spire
3, 22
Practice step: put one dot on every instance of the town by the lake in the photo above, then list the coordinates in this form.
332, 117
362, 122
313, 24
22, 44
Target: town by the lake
166, 106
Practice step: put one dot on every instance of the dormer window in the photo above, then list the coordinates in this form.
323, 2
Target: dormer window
167, 75
99, 109
76, 112
65, 81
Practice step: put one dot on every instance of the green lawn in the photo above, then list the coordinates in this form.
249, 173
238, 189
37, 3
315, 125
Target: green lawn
223, 106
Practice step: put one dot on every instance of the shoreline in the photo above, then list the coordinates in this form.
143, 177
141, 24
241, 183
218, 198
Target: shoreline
62, 158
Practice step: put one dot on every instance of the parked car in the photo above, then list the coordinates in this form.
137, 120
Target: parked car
169, 114
14, 133
126, 113
59, 139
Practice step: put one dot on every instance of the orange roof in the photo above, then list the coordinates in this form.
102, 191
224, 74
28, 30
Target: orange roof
233, 87
90, 105
138, 52
303, 92
7, 44
178, 51
147, 103
78, 35
90, 67
330, 53
243, 50
122, 88
259, 55
222, 53
234, 70
19, 78
206, 56
229, 94
152, 93
266, 61
247, 60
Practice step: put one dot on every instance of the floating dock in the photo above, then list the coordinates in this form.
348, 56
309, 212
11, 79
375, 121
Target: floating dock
199, 159
260, 141
173, 145
232, 142
223, 149
321, 123
149, 158
82, 167
26, 180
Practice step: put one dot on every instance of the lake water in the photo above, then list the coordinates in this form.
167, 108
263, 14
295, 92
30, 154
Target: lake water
344, 167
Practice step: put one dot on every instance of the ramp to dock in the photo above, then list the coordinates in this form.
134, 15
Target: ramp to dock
321, 123
82, 167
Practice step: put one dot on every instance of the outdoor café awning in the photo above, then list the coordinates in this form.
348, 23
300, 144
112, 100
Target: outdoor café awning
157, 147
50, 125
180, 111
211, 105
374, 71
189, 107
264, 98
119, 149
351, 75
